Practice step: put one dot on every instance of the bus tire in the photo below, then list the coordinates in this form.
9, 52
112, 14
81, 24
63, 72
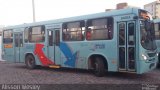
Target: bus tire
158, 64
30, 62
99, 68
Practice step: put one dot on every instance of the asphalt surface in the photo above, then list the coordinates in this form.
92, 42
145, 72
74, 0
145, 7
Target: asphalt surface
16, 73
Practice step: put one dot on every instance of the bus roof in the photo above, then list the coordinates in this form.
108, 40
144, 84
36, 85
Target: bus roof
77, 18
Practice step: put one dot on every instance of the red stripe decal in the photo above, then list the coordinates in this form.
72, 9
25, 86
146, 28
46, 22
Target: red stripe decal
40, 54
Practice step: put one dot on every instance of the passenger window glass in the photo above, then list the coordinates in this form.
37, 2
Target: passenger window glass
50, 37
16, 40
57, 37
131, 34
21, 40
122, 34
73, 31
37, 34
7, 36
26, 33
157, 31
100, 29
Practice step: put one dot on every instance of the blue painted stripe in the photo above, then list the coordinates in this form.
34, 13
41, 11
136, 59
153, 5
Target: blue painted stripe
71, 58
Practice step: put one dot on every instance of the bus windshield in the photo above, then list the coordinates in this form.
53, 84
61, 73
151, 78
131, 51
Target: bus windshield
147, 35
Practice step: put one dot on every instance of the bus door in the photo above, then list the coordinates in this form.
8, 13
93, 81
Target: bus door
126, 48
53, 45
18, 43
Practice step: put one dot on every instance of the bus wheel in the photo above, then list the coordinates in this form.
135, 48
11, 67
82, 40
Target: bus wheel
158, 64
99, 69
30, 62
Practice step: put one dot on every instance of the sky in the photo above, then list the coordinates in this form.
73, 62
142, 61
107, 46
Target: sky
13, 12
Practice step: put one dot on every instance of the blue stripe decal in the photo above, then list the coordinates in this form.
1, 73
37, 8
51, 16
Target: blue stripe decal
71, 58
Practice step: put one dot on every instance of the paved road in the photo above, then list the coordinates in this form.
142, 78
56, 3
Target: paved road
11, 73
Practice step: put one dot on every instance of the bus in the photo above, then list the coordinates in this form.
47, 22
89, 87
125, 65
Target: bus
113, 41
157, 35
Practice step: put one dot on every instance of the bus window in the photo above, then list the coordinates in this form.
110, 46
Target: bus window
122, 34
26, 31
157, 31
7, 36
131, 34
88, 34
50, 38
21, 40
16, 40
37, 34
57, 37
100, 29
73, 31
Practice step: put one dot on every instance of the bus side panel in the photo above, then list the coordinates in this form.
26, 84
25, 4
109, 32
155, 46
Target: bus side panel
8, 52
107, 50
22, 55
29, 49
75, 55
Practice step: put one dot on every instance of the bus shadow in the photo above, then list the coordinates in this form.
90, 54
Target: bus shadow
120, 75
69, 70
66, 70
17, 66
125, 75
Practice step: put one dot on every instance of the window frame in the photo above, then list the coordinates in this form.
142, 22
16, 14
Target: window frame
131, 33
66, 32
30, 34
26, 39
18, 39
110, 30
157, 32
11, 36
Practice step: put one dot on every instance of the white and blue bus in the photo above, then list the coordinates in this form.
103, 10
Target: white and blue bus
116, 41
157, 35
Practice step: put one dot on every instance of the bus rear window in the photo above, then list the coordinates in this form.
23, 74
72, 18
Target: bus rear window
7, 36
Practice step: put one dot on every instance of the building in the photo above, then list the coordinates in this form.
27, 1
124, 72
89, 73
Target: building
121, 5
1, 27
153, 8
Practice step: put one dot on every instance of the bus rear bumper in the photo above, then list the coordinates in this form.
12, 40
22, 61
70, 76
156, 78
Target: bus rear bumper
145, 66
